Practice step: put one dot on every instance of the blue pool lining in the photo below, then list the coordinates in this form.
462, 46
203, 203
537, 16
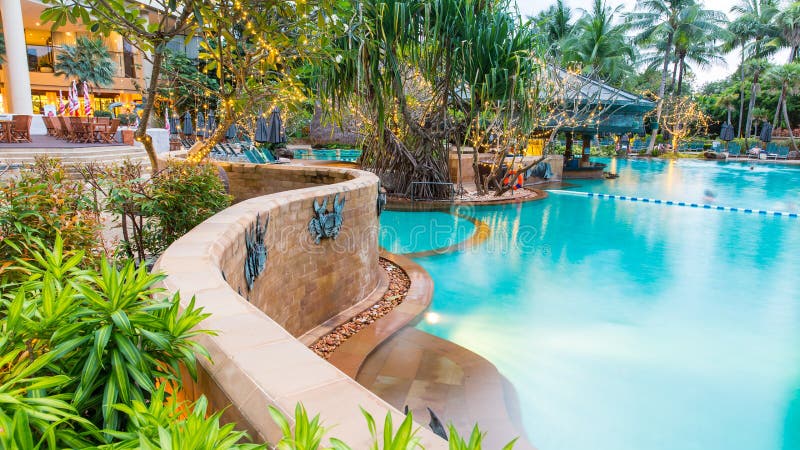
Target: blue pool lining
670, 202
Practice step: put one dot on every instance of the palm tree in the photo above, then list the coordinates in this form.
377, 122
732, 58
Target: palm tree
788, 24
88, 60
738, 36
759, 16
555, 24
599, 44
657, 21
695, 40
788, 77
728, 101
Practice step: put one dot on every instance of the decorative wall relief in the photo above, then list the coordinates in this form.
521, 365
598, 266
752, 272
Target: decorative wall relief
256, 256
326, 224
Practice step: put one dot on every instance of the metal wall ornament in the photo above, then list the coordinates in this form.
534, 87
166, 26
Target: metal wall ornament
256, 251
326, 224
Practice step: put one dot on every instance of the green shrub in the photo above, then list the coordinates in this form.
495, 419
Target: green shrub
103, 113
127, 119
42, 203
153, 212
86, 341
182, 196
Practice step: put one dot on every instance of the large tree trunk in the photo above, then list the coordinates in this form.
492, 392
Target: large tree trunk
741, 95
789, 126
781, 101
750, 107
661, 88
674, 75
681, 69
152, 90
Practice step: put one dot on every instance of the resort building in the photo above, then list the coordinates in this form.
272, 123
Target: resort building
28, 83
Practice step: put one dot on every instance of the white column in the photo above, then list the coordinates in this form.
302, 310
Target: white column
18, 88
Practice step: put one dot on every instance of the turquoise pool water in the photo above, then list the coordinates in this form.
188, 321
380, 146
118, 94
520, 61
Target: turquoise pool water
633, 326
333, 154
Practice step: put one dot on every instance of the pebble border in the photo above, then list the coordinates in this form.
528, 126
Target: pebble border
677, 203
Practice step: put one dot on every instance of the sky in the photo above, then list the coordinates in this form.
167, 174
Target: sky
713, 73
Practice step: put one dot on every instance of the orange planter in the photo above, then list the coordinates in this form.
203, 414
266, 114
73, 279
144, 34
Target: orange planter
127, 136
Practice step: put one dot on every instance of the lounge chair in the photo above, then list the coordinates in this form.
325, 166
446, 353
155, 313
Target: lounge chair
734, 150
772, 150
783, 152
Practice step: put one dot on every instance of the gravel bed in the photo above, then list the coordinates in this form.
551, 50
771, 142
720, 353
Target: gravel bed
399, 283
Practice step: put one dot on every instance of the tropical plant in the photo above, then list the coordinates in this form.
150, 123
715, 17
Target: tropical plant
405, 438
555, 23
695, 41
88, 60
185, 80
76, 342
308, 432
788, 24
599, 45
757, 16
728, 102
787, 77
166, 423
475, 442
737, 38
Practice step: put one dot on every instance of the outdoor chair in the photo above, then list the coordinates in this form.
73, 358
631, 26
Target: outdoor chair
253, 157
783, 152
772, 150
21, 128
109, 131
48, 123
734, 150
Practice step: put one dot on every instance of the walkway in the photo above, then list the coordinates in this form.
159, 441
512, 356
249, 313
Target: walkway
421, 371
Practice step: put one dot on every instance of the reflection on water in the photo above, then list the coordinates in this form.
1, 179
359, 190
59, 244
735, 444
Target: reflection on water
630, 326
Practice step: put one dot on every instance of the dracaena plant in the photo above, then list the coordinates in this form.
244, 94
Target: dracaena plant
108, 337
166, 423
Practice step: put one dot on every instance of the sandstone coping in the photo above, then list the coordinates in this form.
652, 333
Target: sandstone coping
256, 359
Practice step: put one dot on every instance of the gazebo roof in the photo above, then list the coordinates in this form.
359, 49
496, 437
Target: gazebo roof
614, 110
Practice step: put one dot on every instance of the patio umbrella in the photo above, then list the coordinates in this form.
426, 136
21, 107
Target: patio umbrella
201, 125
766, 132
187, 124
262, 130
232, 132
726, 132
275, 135
211, 125
173, 125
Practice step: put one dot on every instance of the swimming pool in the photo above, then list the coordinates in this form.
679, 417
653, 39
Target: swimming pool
628, 325
329, 154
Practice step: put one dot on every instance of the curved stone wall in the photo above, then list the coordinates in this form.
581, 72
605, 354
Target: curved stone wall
257, 360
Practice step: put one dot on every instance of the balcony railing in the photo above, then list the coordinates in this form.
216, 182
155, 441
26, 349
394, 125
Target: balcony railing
41, 58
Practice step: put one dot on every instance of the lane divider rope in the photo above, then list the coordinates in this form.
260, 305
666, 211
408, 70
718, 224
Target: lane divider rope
675, 203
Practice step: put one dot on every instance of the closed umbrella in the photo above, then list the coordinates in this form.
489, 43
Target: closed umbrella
232, 132
726, 132
187, 124
262, 130
211, 125
276, 135
201, 125
766, 132
173, 125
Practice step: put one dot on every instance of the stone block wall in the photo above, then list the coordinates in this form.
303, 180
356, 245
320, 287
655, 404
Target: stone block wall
256, 360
